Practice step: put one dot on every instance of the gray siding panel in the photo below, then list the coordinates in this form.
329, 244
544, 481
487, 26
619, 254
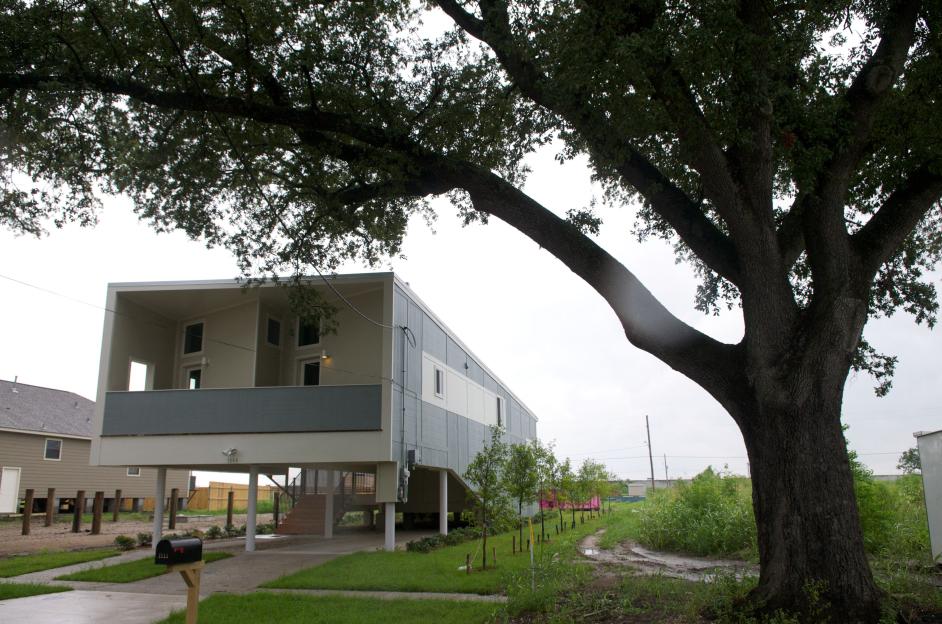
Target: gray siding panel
455, 356
433, 338
434, 427
243, 410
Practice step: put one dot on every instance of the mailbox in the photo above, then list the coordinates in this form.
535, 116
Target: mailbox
174, 551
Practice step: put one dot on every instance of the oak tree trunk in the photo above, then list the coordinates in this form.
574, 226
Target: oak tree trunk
810, 543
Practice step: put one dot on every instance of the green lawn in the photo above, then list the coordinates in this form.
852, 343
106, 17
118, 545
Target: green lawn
130, 571
437, 571
24, 564
294, 609
8, 591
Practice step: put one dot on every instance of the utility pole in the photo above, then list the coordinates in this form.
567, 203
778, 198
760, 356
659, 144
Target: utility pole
650, 452
666, 477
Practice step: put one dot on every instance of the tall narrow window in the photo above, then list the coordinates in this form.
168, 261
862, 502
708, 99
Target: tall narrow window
439, 382
274, 332
311, 374
53, 449
193, 338
309, 332
500, 411
194, 378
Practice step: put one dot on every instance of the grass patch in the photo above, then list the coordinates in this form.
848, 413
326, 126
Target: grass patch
24, 564
436, 571
293, 609
9, 591
131, 571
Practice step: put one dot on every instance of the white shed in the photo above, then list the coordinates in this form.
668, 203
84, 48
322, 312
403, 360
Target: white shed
930, 457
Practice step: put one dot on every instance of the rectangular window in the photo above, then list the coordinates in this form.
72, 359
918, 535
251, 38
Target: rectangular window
273, 334
311, 374
309, 332
193, 338
439, 382
194, 378
500, 411
134, 471
53, 450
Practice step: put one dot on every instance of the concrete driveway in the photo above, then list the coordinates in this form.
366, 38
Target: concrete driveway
153, 599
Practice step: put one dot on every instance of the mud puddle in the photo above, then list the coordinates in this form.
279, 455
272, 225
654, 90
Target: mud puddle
649, 562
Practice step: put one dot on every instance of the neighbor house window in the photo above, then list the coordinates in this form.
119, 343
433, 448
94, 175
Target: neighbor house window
311, 374
273, 333
500, 411
194, 378
439, 382
53, 450
193, 338
134, 471
309, 332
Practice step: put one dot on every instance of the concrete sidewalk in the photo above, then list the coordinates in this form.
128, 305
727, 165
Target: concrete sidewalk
153, 599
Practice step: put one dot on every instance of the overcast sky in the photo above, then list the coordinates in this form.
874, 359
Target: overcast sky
535, 324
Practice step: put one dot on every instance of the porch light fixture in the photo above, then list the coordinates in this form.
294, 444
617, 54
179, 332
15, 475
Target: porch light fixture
324, 354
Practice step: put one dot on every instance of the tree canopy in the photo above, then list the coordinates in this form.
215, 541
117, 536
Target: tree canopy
789, 151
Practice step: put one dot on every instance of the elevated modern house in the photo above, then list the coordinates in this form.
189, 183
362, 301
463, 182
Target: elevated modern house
385, 408
45, 441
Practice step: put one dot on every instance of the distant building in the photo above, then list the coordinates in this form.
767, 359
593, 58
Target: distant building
45, 441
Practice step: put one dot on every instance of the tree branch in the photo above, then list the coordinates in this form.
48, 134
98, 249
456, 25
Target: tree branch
684, 215
878, 240
647, 323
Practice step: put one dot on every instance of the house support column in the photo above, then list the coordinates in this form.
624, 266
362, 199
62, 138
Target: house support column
252, 506
159, 505
329, 505
389, 519
443, 502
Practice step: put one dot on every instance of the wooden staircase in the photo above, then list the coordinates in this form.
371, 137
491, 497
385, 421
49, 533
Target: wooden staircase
306, 517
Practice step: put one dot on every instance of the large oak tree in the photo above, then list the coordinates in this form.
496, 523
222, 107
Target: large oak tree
789, 150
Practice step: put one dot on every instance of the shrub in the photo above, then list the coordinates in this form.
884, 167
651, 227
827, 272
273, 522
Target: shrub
711, 515
432, 542
145, 539
214, 532
124, 542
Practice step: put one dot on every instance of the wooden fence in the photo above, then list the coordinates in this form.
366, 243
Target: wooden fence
215, 496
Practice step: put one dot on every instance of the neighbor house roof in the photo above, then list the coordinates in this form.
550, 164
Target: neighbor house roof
44, 410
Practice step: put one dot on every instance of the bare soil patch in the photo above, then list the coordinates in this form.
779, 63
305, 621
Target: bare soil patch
59, 535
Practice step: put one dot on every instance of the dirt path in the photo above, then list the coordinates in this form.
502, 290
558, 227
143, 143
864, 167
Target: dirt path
59, 535
643, 561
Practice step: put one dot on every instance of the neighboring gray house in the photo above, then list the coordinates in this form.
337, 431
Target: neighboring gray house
930, 458
45, 441
387, 411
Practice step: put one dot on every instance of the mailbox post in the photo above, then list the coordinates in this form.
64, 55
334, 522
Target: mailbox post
186, 557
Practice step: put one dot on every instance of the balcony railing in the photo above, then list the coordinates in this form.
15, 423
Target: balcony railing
243, 410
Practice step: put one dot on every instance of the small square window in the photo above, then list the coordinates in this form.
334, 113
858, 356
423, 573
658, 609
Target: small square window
309, 332
439, 382
134, 471
193, 338
273, 334
53, 450
311, 374
194, 378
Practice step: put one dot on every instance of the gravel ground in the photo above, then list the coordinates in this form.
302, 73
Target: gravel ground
59, 535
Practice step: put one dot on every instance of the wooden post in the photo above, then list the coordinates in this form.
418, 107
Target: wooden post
275, 509
116, 512
191, 576
50, 506
27, 510
229, 503
513, 544
77, 510
494, 556
467, 563
96, 512
174, 493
